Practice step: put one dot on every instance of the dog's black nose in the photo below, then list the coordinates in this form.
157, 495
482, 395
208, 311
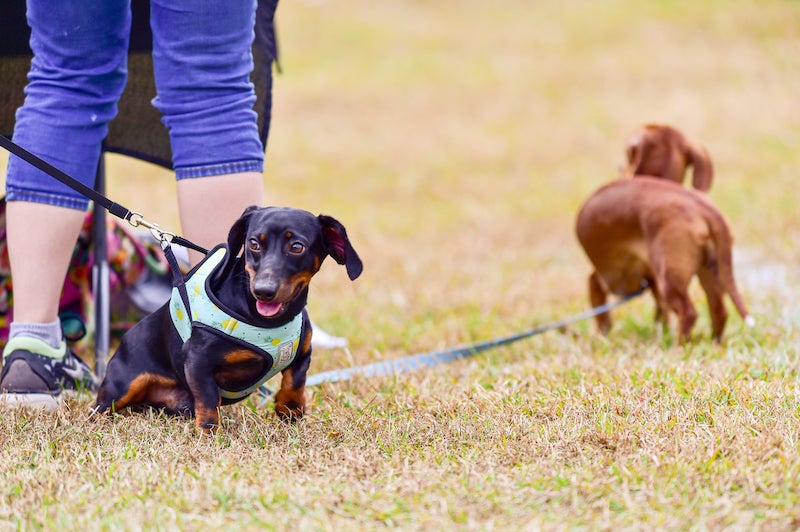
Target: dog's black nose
266, 294
265, 291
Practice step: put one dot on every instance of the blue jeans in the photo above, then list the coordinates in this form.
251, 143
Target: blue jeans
202, 58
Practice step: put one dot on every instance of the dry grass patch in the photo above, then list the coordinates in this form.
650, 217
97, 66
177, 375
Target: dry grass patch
611, 435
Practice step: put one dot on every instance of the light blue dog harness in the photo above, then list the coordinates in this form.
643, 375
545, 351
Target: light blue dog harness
279, 344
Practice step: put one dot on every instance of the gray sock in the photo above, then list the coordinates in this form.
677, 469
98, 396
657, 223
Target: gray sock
49, 333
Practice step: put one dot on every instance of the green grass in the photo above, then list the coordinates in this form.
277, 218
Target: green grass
456, 141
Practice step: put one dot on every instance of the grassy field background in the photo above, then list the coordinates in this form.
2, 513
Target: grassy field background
456, 140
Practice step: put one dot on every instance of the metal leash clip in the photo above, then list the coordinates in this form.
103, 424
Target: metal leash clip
136, 219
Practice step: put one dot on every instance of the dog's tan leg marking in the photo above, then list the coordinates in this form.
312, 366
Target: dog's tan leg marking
290, 403
240, 356
206, 415
207, 419
235, 364
153, 389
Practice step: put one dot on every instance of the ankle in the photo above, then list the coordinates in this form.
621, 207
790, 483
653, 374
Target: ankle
49, 332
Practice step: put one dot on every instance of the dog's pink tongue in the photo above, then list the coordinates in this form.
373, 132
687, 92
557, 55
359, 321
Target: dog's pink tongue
267, 309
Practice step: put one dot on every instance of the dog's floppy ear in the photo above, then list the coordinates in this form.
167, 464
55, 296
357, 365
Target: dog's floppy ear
633, 156
236, 234
235, 241
634, 153
702, 169
337, 245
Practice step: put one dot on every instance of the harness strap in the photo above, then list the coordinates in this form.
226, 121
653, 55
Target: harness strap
180, 241
178, 281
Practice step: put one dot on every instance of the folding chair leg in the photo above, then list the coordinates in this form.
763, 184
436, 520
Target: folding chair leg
100, 279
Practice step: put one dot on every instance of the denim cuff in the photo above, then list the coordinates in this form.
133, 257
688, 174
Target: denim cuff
79, 204
219, 169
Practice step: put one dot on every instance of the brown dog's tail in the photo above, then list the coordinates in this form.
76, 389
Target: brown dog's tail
721, 234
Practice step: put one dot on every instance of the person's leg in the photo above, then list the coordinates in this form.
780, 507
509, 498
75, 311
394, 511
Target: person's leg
202, 56
209, 206
41, 239
77, 74
202, 60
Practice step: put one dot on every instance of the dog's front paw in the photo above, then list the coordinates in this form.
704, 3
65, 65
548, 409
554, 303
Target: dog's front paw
207, 420
291, 409
207, 427
289, 412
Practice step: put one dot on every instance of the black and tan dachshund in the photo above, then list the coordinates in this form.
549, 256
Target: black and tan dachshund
241, 320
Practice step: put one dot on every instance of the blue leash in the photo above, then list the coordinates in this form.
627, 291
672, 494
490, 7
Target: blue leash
437, 358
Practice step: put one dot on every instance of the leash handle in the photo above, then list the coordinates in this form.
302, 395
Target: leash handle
114, 208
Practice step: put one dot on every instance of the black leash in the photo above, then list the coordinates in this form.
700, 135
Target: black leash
132, 217
446, 356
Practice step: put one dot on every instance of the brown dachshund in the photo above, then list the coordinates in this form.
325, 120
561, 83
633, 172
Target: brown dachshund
649, 231
663, 151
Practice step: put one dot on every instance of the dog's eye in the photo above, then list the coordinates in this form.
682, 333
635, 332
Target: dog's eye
296, 248
253, 244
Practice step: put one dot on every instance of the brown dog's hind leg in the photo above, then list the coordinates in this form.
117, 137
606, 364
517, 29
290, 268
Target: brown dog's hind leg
677, 298
674, 259
715, 293
597, 297
661, 315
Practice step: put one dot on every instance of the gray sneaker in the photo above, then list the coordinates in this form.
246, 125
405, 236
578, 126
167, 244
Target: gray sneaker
33, 379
